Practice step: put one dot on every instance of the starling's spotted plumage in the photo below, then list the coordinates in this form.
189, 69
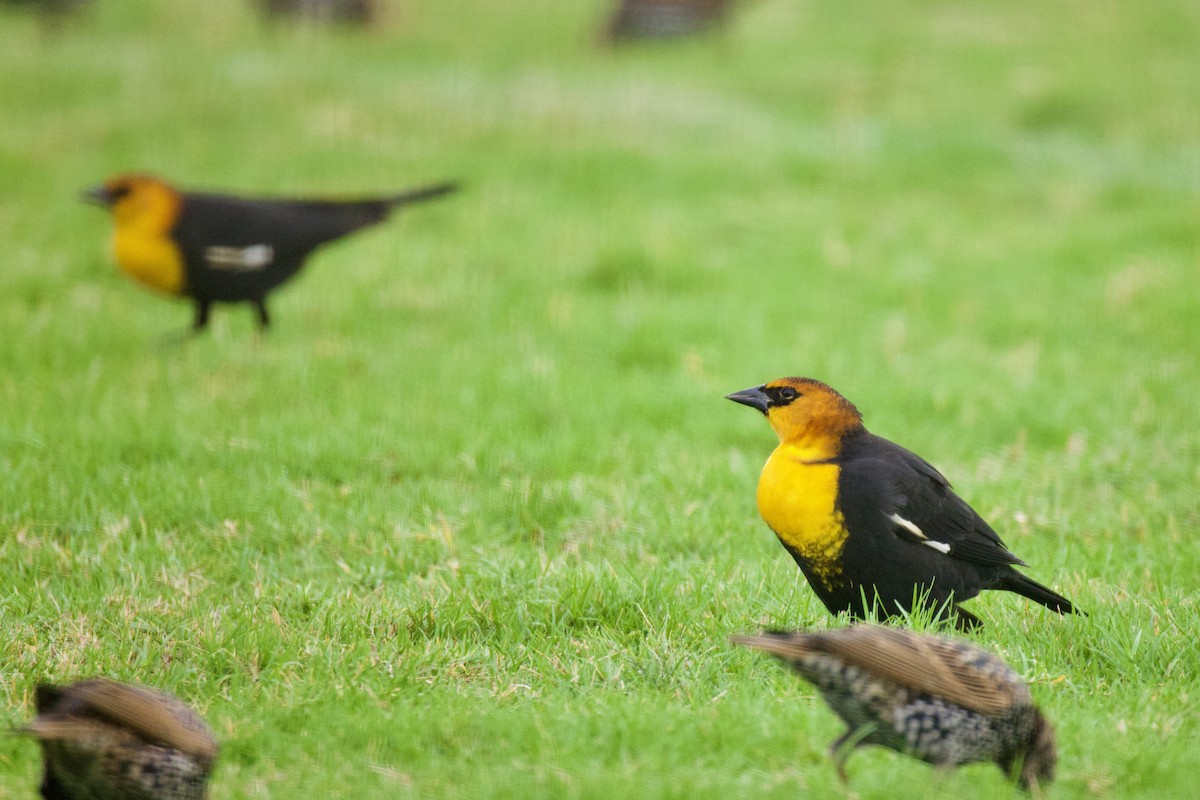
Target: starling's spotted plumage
103, 740
869, 521
660, 19
944, 701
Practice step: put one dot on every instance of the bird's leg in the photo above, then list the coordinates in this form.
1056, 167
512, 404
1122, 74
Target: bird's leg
264, 319
200, 321
839, 751
845, 744
941, 772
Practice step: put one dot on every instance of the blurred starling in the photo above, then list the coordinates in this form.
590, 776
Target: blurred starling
662, 19
944, 701
103, 740
358, 11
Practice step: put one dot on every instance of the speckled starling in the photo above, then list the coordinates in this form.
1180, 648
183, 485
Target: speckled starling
944, 701
661, 19
103, 740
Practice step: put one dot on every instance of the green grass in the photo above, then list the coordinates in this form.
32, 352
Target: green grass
474, 520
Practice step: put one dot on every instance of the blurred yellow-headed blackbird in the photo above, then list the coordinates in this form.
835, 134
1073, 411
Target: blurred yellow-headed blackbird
662, 19
868, 521
943, 701
103, 740
216, 248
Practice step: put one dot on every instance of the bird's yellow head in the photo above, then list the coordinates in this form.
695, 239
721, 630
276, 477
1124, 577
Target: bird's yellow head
802, 410
137, 200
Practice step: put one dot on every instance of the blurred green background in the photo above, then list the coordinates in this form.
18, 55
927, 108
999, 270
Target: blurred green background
474, 518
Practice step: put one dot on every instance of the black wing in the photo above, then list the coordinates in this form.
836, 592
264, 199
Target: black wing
884, 484
236, 248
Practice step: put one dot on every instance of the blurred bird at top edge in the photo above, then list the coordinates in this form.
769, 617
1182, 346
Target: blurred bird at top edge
52, 13
664, 19
362, 12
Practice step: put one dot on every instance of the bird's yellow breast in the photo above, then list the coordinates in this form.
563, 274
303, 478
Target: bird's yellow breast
797, 496
149, 257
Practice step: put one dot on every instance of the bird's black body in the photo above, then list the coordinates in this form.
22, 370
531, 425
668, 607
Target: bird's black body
282, 232
879, 479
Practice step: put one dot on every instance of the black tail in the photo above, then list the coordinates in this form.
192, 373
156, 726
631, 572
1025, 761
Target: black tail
423, 193
1027, 587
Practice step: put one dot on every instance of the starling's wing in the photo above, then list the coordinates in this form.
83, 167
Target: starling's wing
151, 715
918, 504
954, 671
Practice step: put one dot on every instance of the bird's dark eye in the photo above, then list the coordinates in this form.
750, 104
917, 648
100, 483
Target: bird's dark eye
788, 393
119, 191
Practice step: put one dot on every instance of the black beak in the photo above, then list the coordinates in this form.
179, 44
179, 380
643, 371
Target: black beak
755, 398
99, 195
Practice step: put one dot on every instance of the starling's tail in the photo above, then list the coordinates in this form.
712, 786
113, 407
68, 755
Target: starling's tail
423, 193
1027, 587
785, 644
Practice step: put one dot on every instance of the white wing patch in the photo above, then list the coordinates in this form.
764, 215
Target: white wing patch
909, 526
239, 259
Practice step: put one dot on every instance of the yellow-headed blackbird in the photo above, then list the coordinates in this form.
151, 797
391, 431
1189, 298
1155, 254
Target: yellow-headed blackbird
943, 701
103, 740
868, 521
215, 248
660, 19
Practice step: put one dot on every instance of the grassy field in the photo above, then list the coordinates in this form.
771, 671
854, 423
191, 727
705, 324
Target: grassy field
474, 519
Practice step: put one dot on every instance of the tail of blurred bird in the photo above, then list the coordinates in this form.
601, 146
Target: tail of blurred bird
421, 194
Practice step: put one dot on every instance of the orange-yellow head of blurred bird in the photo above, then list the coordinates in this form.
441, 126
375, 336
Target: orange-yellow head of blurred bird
145, 211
